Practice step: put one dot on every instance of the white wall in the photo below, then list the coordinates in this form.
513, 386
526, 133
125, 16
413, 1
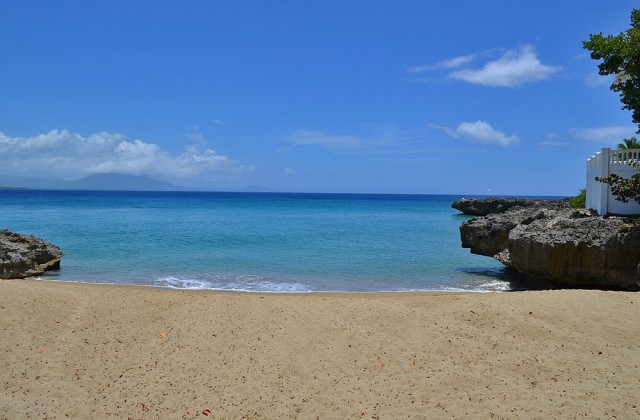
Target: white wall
603, 164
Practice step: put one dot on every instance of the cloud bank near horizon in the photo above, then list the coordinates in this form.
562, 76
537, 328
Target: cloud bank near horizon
70, 155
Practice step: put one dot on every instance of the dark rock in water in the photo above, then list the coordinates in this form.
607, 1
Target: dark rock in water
484, 206
566, 247
26, 255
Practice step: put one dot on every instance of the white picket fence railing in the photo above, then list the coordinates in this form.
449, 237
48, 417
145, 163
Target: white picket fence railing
603, 164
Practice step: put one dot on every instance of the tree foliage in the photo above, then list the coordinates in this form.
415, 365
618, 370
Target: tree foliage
624, 189
620, 55
630, 143
580, 200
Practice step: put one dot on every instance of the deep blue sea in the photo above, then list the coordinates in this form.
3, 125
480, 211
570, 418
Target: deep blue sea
267, 242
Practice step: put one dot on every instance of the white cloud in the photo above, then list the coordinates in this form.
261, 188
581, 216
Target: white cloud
480, 132
513, 68
452, 63
70, 155
333, 143
606, 134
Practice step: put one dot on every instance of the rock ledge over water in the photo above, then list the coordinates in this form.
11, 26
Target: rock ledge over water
26, 256
569, 248
484, 206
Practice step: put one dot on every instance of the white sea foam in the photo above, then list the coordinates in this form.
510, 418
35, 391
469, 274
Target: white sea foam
496, 286
240, 283
178, 283
257, 284
261, 284
488, 287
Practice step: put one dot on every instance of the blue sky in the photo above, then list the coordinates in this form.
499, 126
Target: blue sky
465, 97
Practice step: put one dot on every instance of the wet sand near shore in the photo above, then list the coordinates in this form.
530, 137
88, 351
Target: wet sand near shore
99, 351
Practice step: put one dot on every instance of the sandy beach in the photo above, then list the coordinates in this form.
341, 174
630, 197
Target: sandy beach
98, 351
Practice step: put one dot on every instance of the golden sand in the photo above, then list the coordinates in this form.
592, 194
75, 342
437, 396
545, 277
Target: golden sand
96, 351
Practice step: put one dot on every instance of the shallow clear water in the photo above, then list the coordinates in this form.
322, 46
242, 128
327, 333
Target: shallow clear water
255, 242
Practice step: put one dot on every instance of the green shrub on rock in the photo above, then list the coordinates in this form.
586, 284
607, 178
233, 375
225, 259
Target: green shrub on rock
580, 200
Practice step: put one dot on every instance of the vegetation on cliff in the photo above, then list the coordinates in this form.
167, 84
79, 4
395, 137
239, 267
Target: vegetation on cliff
620, 55
580, 200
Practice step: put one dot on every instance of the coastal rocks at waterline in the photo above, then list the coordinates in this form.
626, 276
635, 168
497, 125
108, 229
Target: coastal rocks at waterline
484, 206
570, 248
26, 255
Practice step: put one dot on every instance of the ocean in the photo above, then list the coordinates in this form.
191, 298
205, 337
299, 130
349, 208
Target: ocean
256, 242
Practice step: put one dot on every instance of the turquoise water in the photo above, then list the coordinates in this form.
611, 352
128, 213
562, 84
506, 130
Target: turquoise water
255, 241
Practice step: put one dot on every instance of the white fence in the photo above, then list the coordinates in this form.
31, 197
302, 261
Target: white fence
603, 164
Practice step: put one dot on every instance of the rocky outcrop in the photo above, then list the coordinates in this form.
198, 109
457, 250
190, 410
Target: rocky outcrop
566, 247
26, 255
484, 206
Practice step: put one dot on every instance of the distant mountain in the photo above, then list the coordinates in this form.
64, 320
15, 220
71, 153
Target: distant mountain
121, 182
109, 181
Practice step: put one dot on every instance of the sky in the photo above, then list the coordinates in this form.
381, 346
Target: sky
352, 96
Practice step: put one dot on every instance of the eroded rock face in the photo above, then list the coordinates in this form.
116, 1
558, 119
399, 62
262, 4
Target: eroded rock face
485, 206
26, 255
566, 247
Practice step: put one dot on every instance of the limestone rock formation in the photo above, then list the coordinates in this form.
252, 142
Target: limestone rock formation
484, 206
566, 247
26, 255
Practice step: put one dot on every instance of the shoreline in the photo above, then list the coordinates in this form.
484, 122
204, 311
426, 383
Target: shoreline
96, 350
329, 293
293, 292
